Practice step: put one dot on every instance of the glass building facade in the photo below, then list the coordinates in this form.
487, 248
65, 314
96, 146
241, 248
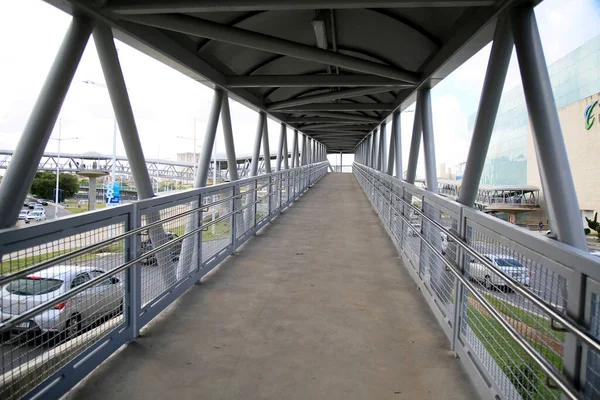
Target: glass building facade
573, 77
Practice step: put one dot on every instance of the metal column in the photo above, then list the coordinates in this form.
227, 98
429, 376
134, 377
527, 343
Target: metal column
285, 152
553, 162
370, 150
295, 152
280, 148
209, 139
382, 147
487, 111
257, 138
392, 155
303, 155
266, 151
415, 145
228, 137
309, 150
37, 132
374, 149
428, 140
397, 132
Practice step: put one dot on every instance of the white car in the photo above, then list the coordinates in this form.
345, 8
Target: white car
23, 214
508, 265
68, 317
38, 215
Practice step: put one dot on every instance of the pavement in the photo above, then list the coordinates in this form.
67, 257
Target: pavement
316, 306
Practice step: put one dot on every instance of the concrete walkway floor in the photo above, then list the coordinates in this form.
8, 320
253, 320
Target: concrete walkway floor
316, 306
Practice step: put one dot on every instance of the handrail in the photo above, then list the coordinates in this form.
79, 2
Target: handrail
568, 323
562, 383
78, 252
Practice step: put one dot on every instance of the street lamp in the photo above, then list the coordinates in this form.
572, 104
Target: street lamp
195, 146
114, 155
59, 139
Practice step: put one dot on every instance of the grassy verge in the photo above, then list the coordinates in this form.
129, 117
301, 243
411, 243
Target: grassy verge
526, 377
72, 207
17, 264
221, 231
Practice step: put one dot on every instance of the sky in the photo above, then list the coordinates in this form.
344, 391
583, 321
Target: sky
168, 104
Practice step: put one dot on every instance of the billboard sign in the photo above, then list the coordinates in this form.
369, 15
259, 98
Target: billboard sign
113, 194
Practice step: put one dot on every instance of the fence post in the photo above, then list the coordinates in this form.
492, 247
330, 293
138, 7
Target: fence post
234, 202
132, 309
458, 285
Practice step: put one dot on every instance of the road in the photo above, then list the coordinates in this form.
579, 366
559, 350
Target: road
49, 209
14, 353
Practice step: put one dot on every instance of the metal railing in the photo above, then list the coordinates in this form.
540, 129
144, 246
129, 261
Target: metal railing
76, 289
500, 293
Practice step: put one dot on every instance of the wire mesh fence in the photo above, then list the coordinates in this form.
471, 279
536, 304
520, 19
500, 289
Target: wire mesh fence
439, 242
47, 339
72, 291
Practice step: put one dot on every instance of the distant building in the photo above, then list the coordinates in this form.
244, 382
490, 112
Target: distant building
511, 158
186, 157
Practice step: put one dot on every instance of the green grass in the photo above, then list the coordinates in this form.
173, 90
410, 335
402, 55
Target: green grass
527, 378
17, 264
532, 320
221, 230
72, 207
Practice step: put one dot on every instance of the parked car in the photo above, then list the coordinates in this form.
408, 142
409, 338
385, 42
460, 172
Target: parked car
70, 316
147, 246
508, 265
38, 207
38, 215
23, 214
43, 202
29, 204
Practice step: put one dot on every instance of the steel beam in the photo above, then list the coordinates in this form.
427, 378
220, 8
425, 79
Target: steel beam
326, 120
302, 81
553, 162
487, 111
345, 128
396, 130
280, 148
339, 116
428, 140
286, 153
212, 30
392, 154
266, 151
303, 157
257, 139
333, 126
339, 107
228, 137
382, 147
415, 145
37, 131
323, 97
375, 149
128, 7
209, 139
295, 160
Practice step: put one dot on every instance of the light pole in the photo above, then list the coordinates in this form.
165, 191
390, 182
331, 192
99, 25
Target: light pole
59, 139
195, 147
114, 155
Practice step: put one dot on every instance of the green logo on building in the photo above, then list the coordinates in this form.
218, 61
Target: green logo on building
589, 118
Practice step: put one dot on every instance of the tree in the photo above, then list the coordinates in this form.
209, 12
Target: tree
44, 184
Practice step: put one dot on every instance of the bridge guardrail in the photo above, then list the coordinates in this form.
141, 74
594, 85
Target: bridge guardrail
500, 293
76, 289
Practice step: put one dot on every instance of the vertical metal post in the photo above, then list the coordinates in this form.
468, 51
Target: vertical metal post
209, 139
487, 111
392, 155
228, 138
382, 147
37, 132
257, 138
428, 141
396, 127
303, 155
415, 145
280, 148
266, 151
286, 153
553, 163
341, 163
374, 150
295, 162
369, 152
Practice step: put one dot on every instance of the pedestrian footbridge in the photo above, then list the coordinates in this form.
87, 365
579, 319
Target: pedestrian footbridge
297, 281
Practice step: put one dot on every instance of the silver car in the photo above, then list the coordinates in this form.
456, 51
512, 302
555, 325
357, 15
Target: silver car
508, 265
68, 317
